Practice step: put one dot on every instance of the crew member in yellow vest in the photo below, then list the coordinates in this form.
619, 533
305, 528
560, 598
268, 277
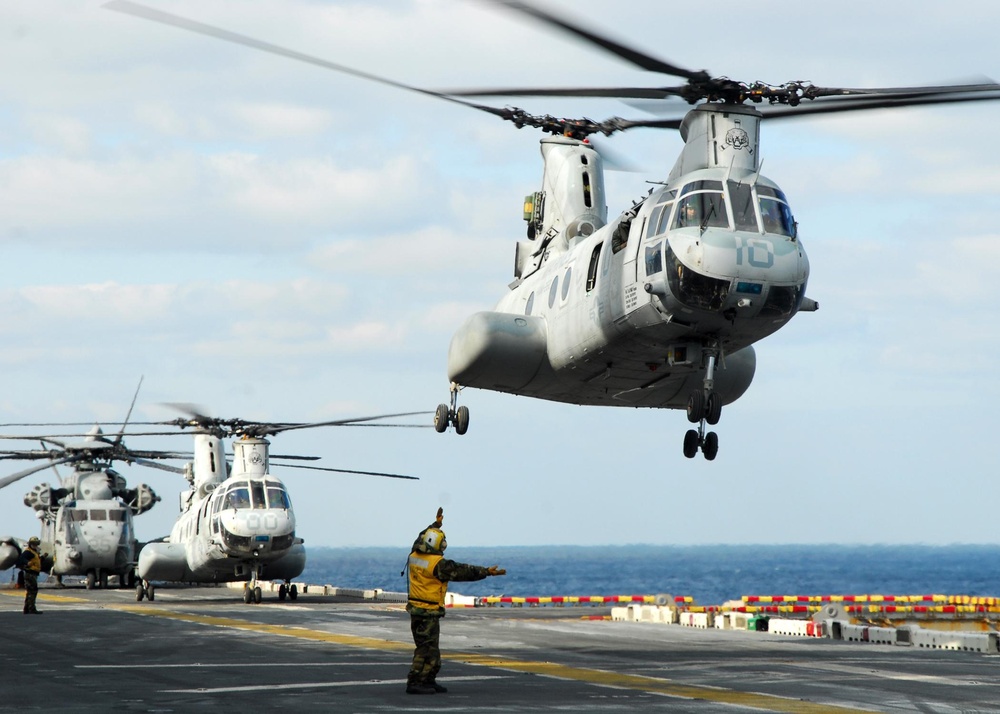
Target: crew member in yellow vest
429, 575
30, 563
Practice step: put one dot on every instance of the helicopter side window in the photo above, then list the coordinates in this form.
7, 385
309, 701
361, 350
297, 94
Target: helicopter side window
278, 498
664, 218
654, 258
595, 259
531, 304
652, 228
238, 497
741, 199
553, 291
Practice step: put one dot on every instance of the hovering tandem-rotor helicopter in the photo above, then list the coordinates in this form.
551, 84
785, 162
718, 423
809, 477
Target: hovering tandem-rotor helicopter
236, 521
87, 521
660, 305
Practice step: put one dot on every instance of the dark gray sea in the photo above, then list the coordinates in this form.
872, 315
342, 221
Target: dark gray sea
711, 574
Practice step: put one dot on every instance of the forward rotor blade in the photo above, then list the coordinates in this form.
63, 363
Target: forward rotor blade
8, 480
147, 13
629, 54
348, 471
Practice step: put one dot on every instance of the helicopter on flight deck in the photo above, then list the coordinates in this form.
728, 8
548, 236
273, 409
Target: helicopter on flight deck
236, 521
87, 525
660, 305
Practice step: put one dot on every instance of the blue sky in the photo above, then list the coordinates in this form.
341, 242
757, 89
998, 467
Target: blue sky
278, 242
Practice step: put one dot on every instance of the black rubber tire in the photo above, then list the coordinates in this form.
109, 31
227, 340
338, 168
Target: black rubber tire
462, 420
441, 418
691, 443
711, 446
713, 408
696, 406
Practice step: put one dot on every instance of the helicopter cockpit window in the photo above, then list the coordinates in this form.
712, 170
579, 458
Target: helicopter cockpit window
238, 497
116, 516
741, 199
78, 514
98, 514
257, 492
775, 212
702, 210
278, 498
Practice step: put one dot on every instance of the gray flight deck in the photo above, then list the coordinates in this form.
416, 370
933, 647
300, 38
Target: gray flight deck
202, 649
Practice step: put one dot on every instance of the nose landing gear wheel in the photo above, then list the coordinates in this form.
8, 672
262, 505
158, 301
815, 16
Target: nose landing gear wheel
454, 415
441, 418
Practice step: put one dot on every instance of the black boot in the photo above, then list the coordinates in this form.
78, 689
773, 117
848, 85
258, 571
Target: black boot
420, 689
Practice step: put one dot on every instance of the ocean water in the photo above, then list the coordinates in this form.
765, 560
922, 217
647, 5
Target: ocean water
710, 574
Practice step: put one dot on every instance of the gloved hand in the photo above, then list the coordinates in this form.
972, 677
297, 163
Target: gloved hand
440, 518
495, 570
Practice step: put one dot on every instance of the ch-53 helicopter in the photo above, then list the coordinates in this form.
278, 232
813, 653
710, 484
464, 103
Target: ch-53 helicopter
661, 305
87, 520
236, 521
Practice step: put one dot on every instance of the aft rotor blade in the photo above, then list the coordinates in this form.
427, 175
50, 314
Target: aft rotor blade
630, 54
147, 13
887, 103
348, 471
8, 480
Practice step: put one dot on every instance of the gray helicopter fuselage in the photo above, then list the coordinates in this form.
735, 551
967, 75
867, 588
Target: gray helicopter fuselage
92, 535
229, 526
621, 314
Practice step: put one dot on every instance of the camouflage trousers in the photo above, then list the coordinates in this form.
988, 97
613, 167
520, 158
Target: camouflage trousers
427, 655
30, 590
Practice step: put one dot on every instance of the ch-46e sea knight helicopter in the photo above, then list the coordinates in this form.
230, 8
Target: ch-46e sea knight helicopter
660, 305
87, 520
236, 521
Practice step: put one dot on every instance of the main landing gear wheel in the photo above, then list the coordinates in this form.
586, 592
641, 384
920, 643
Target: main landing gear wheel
454, 415
144, 591
704, 406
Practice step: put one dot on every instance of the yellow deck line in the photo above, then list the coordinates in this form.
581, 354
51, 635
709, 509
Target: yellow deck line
598, 677
44, 596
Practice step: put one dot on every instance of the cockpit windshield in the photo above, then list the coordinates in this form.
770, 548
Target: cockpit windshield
702, 205
775, 212
277, 497
257, 494
238, 496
